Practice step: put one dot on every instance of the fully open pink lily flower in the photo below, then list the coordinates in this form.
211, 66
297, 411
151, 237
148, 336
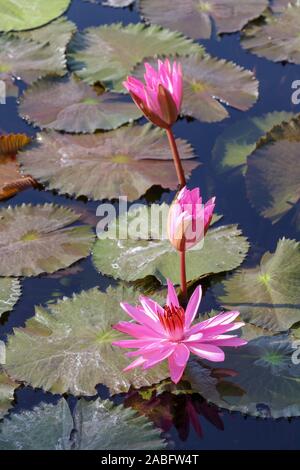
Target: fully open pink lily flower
168, 333
189, 219
160, 97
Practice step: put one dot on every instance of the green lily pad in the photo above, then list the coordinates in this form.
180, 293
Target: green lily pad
267, 380
67, 347
103, 426
73, 106
194, 17
211, 84
267, 295
277, 38
273, 171
151, 254
238, 141
123, 162
46, 427
57, 34
95, 425
37, 239
7, 388
122, 47
18, 15
10, 291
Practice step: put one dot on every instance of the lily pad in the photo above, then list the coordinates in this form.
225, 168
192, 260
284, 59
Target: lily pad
96, 425
277, 38
238, 141
103, 426
56, 34
11, 180
37, 239
73, 106
123, 162
273, 171
194, 17
209, 84
122, 47
46, 427
10, 291
66, 347
267, 295
7, 388
152, 254
18, 15
266, 377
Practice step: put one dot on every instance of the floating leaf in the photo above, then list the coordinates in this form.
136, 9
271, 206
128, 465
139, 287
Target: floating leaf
273, 171
7, 388
209, 83
18, 15
124, 162
267, 295
73, 106
266, 377
56, 34
46, 427
10, 291
103, 426
11, 89
11, 180
97, 425
238, 141
122, 47
152, 254
66, 347
277, 38
37, 239
194, 17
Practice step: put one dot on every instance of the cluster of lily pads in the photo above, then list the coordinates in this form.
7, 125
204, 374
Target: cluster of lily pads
74, 93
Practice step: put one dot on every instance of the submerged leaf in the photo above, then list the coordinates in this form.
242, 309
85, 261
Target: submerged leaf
123, 162
103, 426
46, 427
273, 171
209, 84
266, 377
18, 15
10, 291
67, 347
194, 17
37, 239
11, 180
238, 141
73, 106
267, 295
277, 38
123, 255
96, 425
122, 47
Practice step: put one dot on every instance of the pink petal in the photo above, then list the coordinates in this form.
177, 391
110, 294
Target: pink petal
138, 362
133, 343
193, 306
142, 317
221, 329
208, 351
222, 318
155, 357
177, 362
137, 331
172, 298
233, 341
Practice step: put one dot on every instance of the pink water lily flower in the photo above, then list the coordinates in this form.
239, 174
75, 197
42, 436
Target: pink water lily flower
168, 333
189, 219
160, 97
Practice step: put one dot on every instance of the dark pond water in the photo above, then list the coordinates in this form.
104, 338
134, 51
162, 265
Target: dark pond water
229, 431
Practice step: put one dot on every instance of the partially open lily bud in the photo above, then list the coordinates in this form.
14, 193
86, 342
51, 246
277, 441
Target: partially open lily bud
160, 97
189, 219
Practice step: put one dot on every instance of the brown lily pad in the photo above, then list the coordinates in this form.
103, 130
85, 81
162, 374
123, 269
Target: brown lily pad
11, 180
71, 105
123, 162
194, 17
